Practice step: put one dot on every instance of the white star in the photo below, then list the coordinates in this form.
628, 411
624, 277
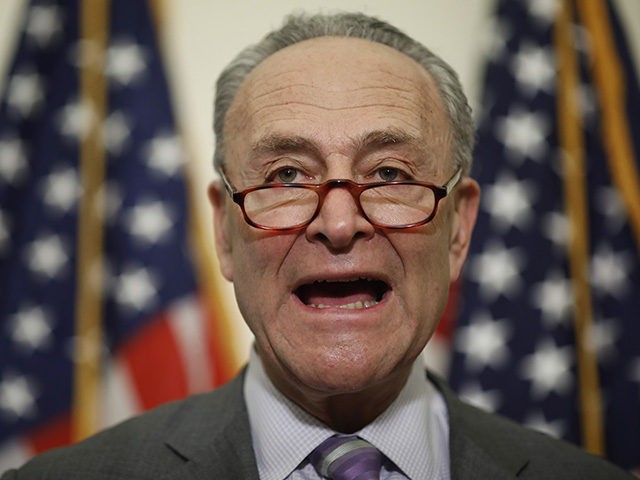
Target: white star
17, 397
509, 202
555, 227
86, 54
554, 297
488, 400
523, 134
61, 190
112, 195
610, 271
126, 62
582, 40
30, 328
634, 370
117, 130
84, 349
496, 38
534, 69
149, 221
5, 235
481, 114
75, 120
543, 10
602, 338
610, 205
548, 369
44, 24
497, 271
13, 160
136, 289
25, 93
537, 421
484, 342
46, 256
164, 154
588, 103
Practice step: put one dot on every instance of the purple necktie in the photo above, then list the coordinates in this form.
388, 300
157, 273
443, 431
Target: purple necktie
347, 458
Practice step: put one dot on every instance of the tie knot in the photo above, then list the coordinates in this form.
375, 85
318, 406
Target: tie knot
347, 458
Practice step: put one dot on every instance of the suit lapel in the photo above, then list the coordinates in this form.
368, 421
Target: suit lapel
477, 446
212, 434
469, 460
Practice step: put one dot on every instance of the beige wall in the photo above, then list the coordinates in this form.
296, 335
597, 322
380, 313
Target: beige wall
203, 35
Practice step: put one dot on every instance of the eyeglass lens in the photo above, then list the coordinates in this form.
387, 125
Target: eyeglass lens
385, 205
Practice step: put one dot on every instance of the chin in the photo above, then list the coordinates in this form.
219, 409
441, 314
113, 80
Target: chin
343, 374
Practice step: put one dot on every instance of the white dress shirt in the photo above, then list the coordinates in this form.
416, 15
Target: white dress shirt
413, 432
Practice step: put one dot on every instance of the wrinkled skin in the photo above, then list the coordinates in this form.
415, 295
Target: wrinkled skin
341, 108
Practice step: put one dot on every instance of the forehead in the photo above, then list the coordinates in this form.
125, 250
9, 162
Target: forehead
336, 88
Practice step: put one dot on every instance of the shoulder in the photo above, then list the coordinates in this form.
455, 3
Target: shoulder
476, 435
138, 448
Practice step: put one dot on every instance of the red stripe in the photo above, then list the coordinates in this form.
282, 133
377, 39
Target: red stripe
155, 365
218, 344
55, 433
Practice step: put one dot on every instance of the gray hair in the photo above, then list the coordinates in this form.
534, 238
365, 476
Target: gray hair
301, 27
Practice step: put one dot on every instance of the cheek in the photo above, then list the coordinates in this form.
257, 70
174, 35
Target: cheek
257, 253
427, 270
257, 260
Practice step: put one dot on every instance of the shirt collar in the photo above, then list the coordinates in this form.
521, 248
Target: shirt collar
282, 433
412, 432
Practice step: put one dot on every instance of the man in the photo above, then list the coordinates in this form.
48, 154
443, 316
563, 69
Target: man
344, 212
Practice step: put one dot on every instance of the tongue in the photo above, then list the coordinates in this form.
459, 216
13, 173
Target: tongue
339, 293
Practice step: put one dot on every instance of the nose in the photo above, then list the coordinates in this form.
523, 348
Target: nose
339, 222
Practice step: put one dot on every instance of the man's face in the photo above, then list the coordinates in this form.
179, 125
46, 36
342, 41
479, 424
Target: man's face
340, 306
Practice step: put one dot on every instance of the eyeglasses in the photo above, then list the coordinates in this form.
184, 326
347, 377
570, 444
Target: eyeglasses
293, 206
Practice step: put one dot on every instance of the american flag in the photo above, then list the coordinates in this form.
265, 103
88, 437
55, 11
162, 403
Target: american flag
162, 335
515, 348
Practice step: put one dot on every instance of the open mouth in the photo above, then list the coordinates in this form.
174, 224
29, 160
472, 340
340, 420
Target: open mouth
351, 294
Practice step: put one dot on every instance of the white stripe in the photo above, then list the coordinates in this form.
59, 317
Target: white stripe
119, 398
340, 451
13, 454
188, 323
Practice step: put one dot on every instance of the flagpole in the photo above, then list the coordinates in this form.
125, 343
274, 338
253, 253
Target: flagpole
575, 192
611, 89
88, 322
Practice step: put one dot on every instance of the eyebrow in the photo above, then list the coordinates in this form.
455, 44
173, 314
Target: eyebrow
278, 143
388, 137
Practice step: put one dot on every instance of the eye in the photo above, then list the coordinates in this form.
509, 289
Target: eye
284, 175
388, 174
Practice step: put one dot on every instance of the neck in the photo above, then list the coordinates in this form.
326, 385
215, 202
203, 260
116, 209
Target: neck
345, 412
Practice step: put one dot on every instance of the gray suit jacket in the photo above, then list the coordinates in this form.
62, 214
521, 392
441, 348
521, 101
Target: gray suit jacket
208, 437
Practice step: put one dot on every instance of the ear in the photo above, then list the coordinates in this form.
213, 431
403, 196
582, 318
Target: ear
467, 200
222, 236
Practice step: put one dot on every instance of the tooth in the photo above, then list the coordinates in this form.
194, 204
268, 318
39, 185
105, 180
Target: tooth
349, 306
353, 306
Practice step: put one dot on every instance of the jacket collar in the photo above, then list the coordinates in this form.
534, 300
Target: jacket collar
479, 447
213, 445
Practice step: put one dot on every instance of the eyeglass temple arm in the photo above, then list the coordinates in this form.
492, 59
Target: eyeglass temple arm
227, 184
453, 181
